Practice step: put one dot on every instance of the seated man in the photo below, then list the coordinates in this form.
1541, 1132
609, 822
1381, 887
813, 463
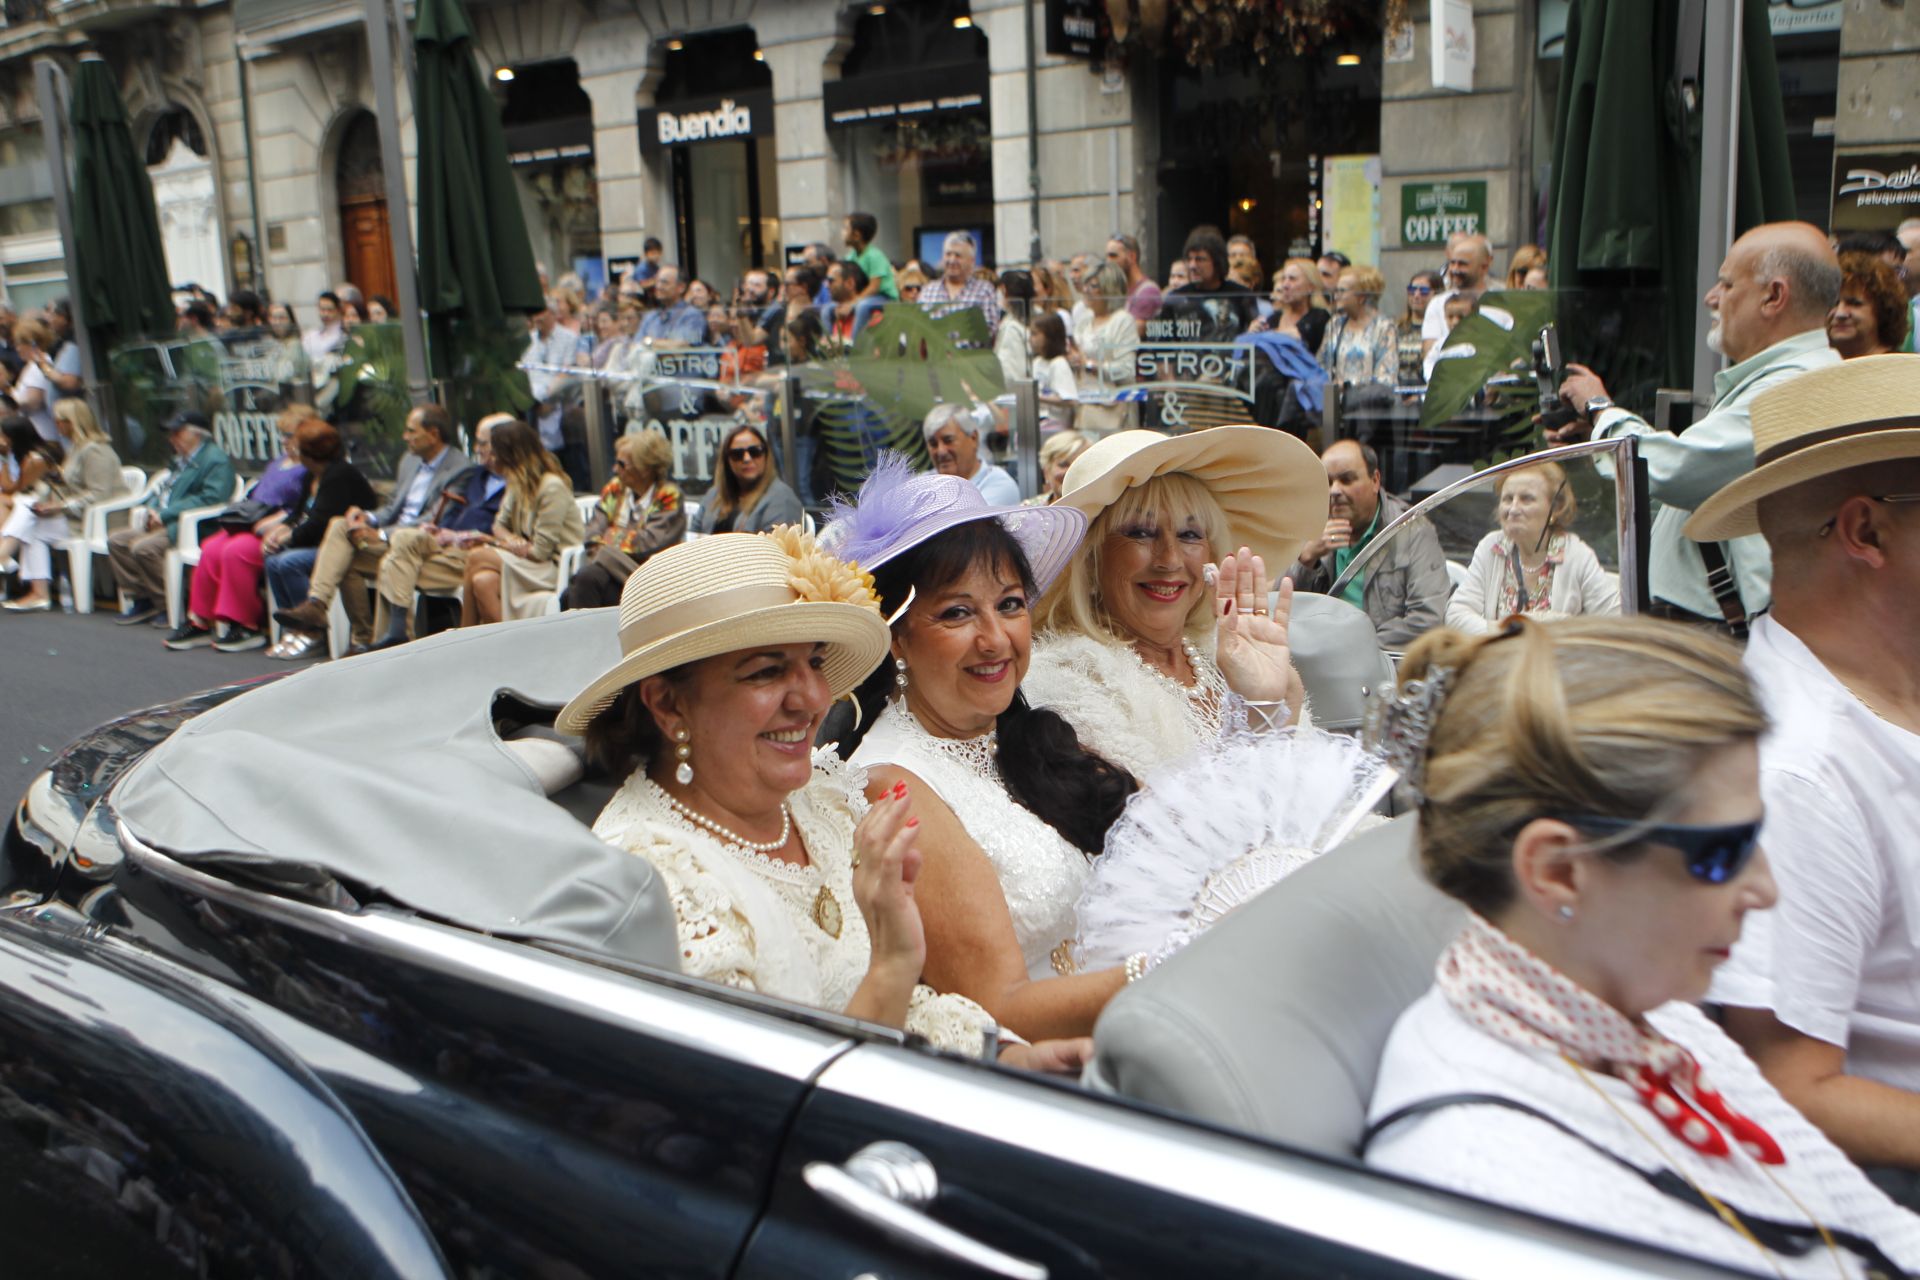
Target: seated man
1820, 990
953, 438
349, 554
1405, 591
201, 476
432, 555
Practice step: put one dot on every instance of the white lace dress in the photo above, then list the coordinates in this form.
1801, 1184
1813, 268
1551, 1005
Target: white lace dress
1123, 709
765, 925
1041, 874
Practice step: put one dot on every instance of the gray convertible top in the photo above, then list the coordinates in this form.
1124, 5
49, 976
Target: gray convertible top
385, 774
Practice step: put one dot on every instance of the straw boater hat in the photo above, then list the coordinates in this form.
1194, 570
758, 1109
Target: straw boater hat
1828, 420
1271, 485
736, 591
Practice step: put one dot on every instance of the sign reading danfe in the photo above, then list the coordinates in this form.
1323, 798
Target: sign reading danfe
748, 114
1432, 211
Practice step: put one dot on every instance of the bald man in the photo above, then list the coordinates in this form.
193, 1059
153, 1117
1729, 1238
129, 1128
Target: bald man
1469, 259
1769, 308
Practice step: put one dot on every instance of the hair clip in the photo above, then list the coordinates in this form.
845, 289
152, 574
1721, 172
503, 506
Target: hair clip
1399, 724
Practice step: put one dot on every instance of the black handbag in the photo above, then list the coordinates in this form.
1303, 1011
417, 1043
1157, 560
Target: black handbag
243, 515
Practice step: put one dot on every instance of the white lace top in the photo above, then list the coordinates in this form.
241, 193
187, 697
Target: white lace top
1040, 873
1123, 709
763, 924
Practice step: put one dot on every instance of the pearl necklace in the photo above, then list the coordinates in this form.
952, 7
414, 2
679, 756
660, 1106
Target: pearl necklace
734, 838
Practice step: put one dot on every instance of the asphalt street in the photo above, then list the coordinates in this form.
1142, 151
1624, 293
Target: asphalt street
62, 674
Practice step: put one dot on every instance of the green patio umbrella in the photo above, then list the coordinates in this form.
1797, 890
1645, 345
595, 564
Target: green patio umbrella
122, 270
1626, 160
476, 263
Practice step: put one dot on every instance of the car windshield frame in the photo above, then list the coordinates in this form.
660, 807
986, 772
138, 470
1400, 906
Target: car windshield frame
1621, 453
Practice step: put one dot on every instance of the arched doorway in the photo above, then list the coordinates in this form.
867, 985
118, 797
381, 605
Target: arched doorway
187, 201
366, 240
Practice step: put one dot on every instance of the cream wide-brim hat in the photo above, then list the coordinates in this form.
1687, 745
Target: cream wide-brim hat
725, 593
1272, 487
1847, 415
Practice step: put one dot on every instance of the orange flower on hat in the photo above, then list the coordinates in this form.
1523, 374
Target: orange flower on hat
822, 578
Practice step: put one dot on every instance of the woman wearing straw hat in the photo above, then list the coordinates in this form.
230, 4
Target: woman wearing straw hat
1013, 809
1139, 650
783, 880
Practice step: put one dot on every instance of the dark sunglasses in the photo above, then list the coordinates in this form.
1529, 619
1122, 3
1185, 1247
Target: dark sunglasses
1713, 854
744, 452
1419, 288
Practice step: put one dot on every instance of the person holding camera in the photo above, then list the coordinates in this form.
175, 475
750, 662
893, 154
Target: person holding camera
1769, 309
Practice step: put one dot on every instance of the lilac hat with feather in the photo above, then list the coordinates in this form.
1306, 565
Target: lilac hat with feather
899, 508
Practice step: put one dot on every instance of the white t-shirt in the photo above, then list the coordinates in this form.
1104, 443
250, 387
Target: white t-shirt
1838, 958
1433, 325
42, 418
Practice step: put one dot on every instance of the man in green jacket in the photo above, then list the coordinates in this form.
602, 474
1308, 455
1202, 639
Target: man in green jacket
201, 476
1769, 308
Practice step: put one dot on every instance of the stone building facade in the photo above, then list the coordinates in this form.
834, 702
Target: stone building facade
260, 113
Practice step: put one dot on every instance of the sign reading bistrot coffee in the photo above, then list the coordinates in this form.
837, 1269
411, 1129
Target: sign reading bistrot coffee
1432, 211
1875, 190
731, 118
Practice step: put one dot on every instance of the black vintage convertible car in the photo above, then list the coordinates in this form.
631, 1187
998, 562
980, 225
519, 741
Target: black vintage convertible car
314, 978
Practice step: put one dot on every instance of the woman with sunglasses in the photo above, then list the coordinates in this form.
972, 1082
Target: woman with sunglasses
1420, 292
1590, 793
747, 497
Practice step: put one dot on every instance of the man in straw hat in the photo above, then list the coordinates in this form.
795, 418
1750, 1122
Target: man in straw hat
1821, 990
1769, 308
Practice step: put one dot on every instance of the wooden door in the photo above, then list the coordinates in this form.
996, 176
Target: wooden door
369, 246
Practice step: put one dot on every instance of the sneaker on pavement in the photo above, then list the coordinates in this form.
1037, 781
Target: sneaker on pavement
187, 636
240, 639
137, 610
308, 615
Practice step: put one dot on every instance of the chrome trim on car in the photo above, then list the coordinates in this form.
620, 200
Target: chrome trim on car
1626, 509
685, 1017
886, 1185
1430, 1230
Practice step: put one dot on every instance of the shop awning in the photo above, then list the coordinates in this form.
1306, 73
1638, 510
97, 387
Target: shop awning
906, 94
544, 141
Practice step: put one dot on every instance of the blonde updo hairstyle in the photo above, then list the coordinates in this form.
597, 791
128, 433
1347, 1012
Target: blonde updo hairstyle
1565, 506
1603, 716
1074, 604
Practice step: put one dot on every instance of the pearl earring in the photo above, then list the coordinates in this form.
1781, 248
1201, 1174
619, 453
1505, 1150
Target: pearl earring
683, 772
1566, 912
900, 675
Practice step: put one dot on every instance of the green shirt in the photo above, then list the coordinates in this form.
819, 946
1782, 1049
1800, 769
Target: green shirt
1355, 592
875, 264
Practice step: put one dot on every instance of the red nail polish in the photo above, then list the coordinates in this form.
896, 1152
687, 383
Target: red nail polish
913, 822
899, 790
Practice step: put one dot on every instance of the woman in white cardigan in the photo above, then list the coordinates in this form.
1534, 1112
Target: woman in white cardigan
1533, 563
1590, 792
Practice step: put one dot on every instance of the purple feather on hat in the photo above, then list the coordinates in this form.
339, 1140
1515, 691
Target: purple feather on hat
892, 506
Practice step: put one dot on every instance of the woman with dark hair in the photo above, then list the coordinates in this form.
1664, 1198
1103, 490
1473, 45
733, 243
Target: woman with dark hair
747, 496
36, 487
225, 591
1422, 289
379, 309
1012, 809
1871, 317
538, 517
1052, 373
1010, 342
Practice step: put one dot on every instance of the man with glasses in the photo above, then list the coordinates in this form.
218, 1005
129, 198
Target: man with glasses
1469, 258
1143, 295
1769, 307
1820, 990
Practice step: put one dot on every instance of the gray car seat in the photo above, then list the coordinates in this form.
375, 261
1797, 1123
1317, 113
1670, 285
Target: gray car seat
1338, 657
1273, 1021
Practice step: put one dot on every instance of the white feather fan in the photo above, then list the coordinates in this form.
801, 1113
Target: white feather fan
1207, 834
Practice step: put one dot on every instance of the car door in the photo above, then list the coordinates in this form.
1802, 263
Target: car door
902, 1163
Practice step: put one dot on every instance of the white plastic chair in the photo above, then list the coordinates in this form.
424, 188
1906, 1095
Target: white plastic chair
1457, 574
185, 553
693, 518
92, 540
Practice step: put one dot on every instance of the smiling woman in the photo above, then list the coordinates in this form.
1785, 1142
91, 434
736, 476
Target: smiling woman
784, 880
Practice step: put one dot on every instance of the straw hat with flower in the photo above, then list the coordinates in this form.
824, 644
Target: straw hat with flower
735, 591
1827, 420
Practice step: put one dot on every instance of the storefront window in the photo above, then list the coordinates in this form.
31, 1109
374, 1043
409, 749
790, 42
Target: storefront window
548, 121
916, 141
714, 120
